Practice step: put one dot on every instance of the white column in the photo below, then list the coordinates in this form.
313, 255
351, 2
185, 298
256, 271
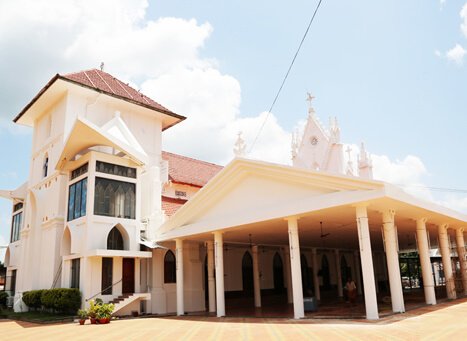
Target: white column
314, 258
425, 263
296, 270
219, 262
358, 276
211, 280
288, 276
461, 254
256, 282
340, 291
179, 274
371, 304
446, 257
392, 260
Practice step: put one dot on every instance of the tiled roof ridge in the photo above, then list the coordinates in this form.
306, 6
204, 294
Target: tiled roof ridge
192, 159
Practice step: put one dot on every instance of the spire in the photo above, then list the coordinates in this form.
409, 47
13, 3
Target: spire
295, 144
309, 99
349, 167
365, 166
239, 146
334, 130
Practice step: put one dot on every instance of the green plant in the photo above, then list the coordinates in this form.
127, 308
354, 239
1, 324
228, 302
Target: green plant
93, 308
3, 298
82, 314
105, 310
33, 298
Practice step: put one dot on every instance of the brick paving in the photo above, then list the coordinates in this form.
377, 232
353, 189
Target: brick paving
445, 321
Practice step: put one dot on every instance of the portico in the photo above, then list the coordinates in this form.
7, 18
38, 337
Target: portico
345, 220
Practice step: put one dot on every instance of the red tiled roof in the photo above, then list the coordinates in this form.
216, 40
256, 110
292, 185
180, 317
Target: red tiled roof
107, 83
171, 205
185, 170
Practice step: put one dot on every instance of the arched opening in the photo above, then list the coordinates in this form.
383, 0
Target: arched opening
247, 274
278, 274
346, 272
115, 240
170, 268
325, 272
307, 283
65, 247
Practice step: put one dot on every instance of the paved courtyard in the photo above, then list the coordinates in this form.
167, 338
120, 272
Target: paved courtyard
446, 321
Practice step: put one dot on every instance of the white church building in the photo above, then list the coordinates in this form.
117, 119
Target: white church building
107, 211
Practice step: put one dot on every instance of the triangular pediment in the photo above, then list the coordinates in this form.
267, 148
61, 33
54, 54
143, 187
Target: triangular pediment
247, 191
85, 134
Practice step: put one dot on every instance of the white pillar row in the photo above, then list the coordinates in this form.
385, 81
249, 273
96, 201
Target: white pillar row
425, 263
179, 273
296, 269
358, 275
256, 279
461, 254
340, 291
211, 279
288, 278
219, 264
314, 259
392, 260
371, 304
446, 257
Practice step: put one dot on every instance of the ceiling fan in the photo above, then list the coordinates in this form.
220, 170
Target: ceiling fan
323, 235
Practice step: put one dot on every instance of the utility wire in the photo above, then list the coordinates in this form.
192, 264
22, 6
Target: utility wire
286, 76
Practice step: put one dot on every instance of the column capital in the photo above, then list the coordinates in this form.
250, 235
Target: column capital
293, 217
388, 216
422, 220
444, 226
461, 229
361, 211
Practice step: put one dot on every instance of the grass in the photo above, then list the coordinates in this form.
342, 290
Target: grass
36, 316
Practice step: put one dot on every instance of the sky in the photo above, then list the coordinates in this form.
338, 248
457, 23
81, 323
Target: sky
394, 73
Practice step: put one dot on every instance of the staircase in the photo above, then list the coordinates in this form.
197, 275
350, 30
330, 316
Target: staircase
124, 300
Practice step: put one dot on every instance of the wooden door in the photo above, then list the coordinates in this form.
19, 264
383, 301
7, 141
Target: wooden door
128, 276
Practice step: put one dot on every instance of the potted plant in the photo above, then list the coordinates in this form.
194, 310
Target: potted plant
83, 316
92, 312
104, 312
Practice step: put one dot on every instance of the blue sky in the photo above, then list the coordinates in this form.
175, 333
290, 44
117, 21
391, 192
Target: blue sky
383, 68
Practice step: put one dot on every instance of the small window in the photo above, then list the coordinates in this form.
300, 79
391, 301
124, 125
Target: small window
79, 171
77, 199
107, 274
17, 206
110, 168
75, 268
170, 268
16, 224
45, 166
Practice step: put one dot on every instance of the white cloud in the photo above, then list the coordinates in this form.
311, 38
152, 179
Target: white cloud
463, 15
456, 54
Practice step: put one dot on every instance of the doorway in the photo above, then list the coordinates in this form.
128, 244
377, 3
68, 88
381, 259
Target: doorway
247, 275
278, 274
128, 276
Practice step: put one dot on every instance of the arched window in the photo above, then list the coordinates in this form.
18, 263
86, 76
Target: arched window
170, 273
45, 166
247, 274
115, 240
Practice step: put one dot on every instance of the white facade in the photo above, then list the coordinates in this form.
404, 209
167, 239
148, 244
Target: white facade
255, 229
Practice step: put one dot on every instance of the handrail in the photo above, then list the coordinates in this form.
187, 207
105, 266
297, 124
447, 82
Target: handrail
100, 292
57, 275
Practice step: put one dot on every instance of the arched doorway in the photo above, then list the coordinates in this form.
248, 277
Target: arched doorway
247, 274
325, 272
278, 274
307, 283
346, 272
115, 239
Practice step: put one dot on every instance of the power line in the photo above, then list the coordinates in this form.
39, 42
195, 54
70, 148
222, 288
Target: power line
286, 76
438, 189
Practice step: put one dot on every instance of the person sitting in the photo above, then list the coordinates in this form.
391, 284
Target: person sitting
351, 290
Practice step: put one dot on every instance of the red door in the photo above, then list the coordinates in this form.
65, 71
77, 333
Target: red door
128, 276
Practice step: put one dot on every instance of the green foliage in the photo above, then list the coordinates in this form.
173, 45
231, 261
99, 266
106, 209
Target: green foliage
61, 299
33, 298
93, 309
3, 298
105, 310
82, 314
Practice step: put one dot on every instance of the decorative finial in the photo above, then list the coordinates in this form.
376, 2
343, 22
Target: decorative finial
309, 99
102, 66
295, 143
349, 169
240, 146
365, 166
